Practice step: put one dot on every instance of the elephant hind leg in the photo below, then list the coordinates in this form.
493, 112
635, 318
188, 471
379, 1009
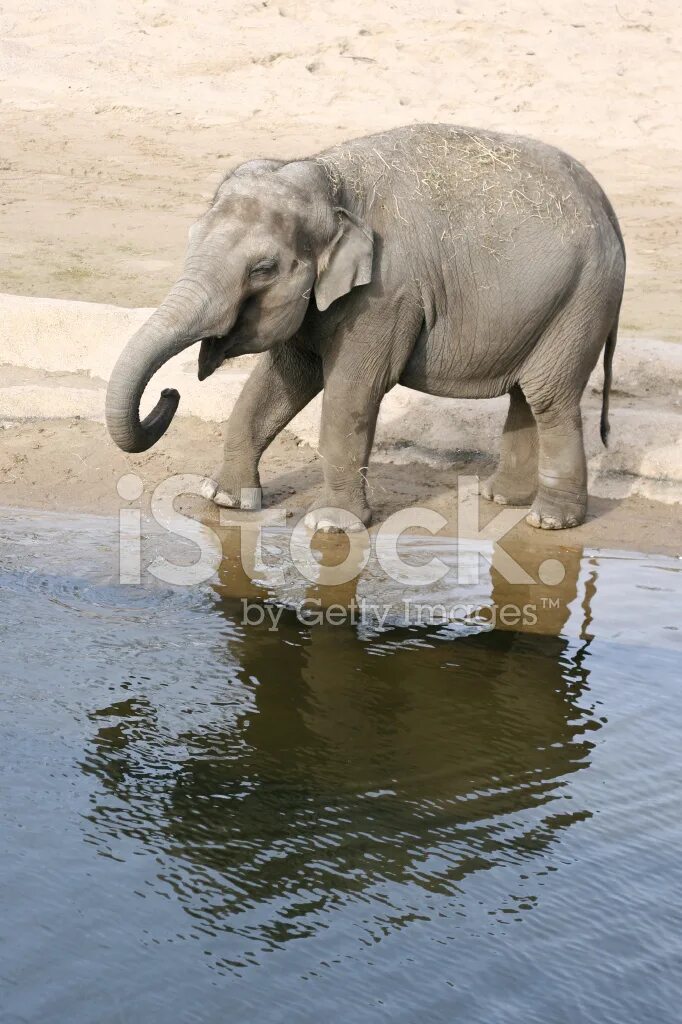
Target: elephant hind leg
516, 479
553, 382
561, 499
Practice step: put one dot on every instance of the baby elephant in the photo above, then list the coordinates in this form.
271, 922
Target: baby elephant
457, 262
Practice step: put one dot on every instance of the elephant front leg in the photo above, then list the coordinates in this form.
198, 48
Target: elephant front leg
282, 383
515, 481
349, 416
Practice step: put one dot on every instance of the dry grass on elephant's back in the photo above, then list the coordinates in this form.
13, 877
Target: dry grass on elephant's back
468, 176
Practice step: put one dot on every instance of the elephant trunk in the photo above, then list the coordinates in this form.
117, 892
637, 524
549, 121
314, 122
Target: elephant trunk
181, 321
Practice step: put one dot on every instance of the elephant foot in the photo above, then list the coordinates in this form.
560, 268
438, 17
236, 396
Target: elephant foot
505, 489
333, 519
248, 498
552, 511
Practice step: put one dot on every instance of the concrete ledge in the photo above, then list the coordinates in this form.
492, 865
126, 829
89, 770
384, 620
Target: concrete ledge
71, 347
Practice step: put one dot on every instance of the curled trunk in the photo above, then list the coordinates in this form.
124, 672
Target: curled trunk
178, 323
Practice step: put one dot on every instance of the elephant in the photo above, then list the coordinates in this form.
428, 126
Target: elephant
453, 261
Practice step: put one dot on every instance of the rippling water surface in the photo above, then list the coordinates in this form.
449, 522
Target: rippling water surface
205, 821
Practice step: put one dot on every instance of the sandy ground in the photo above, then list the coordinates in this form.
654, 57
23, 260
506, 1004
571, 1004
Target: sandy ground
117, 120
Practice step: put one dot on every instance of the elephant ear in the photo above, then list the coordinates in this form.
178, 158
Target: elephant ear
346, 262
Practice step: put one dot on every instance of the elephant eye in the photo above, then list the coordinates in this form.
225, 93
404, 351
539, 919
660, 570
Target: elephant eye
264, 268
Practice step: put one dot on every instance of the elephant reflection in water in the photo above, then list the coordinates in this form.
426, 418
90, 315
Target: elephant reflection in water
362, 767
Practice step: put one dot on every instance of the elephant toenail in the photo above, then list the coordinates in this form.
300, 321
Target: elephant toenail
208, 489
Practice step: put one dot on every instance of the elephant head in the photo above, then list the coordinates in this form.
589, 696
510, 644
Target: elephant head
271, 236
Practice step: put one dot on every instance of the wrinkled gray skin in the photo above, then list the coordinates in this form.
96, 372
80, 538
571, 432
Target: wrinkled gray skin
456, 262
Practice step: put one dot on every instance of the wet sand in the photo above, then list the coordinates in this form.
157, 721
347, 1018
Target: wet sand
71, 465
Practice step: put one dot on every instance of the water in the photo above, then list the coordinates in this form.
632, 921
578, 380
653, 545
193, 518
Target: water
203, 821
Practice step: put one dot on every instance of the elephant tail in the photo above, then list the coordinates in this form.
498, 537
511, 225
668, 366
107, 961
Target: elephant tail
609, 349
610, 346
